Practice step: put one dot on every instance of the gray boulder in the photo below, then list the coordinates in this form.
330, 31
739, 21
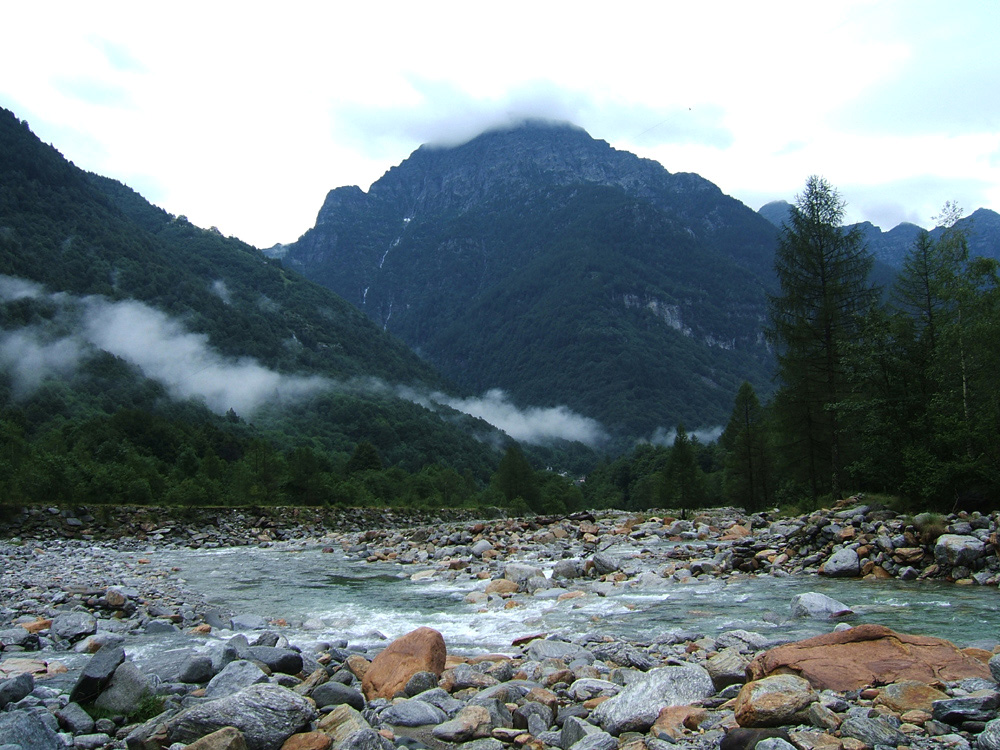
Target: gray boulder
160, 627
843, 563
26, 730
820, 606
590, 687
97, 673
284, 660
93, 741
336, 694
727, 667
958, 550
421, 682
978, 706
126, 689
989, 738
235, 677
196, 669
15, 688
624, 654
575, 729
525, 714
487, 743
637, 706
480, 547
75, 719
439, 697
995, 667
596, 741
742, 640
74, 625
568, 569
520, 572
16, 637
248, 622
266, 714
774, 743
604, 564
413, 713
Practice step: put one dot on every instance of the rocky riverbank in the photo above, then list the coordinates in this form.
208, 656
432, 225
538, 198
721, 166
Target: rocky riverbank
136, 645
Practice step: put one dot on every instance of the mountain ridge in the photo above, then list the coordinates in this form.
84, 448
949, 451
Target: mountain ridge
982, 227
473, 254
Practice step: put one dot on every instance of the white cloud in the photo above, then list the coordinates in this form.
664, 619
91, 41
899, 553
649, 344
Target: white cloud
244, 120
537, 425
185, 363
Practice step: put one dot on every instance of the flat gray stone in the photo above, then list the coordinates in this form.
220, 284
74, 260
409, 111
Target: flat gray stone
236, 676
413, 713
872, 732
637, 706
249, 622
541, 649
266, 714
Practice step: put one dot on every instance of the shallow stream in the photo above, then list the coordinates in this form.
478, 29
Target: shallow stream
357, 601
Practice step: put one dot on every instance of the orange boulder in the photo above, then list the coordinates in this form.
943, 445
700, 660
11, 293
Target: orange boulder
868, 655
421, 650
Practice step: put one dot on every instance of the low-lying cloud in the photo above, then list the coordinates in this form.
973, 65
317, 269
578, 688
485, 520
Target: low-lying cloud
184, 362
188, 367
536, 425
665, 437
160, 346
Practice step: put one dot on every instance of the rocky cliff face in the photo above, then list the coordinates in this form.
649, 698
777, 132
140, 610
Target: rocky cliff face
513, 257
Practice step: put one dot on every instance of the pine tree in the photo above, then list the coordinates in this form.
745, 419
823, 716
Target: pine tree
824, 294
748, 469
684, 479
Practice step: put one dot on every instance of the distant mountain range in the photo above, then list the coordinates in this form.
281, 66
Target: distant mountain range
541, 261
891, 247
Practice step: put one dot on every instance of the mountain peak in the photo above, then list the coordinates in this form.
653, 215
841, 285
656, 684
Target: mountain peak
537, 259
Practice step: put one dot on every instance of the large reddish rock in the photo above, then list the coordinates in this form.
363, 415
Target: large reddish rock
868, 655
421, 650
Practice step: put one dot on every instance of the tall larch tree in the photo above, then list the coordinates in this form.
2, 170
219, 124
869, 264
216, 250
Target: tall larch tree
824, 294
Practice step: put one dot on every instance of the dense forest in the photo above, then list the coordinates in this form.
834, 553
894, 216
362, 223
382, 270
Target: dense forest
892, 391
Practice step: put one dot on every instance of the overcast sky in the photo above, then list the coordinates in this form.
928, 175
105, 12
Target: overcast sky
243, 116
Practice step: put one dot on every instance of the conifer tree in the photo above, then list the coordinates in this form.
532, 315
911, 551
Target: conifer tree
684, 480
748, 471
824, 294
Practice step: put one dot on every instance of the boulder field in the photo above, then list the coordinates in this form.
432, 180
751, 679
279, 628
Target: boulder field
69, 607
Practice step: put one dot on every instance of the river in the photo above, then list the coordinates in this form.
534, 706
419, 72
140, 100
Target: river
344, 598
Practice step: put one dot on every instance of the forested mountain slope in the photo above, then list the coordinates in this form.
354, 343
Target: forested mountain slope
108, 303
